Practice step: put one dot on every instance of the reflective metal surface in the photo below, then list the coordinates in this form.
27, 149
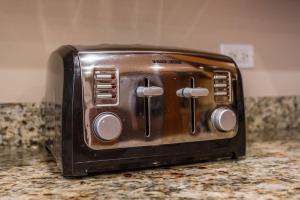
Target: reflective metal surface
164, 119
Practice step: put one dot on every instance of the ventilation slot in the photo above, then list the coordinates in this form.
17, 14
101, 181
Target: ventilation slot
222, 87
106, 86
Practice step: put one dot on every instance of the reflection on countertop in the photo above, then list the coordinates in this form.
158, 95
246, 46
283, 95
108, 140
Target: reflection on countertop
271, 170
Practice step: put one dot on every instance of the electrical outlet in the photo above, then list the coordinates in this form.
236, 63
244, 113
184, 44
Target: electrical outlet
242, 54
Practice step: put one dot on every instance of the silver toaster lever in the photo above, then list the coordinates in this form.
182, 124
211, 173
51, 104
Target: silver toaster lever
149, 91
192, 92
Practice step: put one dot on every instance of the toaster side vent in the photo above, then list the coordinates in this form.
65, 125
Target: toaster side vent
222, 87
106, 86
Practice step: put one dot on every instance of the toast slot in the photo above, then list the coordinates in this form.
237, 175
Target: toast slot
147, 107
192, 107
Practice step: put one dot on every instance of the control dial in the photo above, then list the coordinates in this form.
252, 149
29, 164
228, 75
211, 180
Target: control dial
107, 126
223, 119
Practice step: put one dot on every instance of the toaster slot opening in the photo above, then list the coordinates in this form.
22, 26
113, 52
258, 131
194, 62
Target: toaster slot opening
192, 107
147, 110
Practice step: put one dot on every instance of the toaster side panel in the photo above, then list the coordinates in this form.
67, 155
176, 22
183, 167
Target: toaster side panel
241, 135
58, 112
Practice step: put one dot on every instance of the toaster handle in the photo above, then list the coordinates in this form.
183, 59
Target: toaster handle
149, 91
192, 92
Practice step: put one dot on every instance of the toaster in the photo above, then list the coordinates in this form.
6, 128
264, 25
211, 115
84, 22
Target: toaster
117, 107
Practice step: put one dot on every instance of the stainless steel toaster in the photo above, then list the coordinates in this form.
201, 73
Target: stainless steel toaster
114, 107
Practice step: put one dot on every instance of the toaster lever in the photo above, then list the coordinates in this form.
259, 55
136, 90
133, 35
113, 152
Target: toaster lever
192, 92
149, 91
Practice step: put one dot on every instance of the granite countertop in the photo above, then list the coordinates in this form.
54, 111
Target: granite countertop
271, 170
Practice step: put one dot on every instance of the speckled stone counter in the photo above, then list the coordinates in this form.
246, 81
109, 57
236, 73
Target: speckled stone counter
21, 124
271, 170
272, 113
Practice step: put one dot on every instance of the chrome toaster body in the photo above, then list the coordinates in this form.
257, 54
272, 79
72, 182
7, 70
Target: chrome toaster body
126, 107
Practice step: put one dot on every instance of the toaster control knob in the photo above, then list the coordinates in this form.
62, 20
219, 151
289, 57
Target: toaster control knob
107, 126
223, 119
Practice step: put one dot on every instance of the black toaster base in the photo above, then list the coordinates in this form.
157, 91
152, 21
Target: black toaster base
141, 158
94, 168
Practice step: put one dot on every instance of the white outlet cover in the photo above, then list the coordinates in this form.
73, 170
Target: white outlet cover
242, 54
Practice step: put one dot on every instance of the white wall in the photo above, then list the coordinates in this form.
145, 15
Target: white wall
31, 29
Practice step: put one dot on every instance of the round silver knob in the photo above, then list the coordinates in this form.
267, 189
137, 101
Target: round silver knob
107, 126
223, 119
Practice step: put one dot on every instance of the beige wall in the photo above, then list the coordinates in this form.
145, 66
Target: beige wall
31, 29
